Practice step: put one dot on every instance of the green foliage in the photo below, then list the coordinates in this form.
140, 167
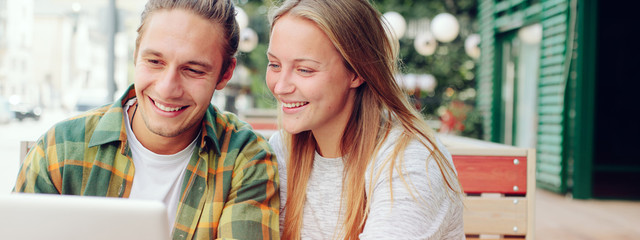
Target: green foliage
256, 60
453, 69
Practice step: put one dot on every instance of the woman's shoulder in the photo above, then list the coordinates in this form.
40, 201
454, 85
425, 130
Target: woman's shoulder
277, 144
414, 145
411, 152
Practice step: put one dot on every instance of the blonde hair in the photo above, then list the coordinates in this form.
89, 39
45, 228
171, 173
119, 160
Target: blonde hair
355, 29
216, 11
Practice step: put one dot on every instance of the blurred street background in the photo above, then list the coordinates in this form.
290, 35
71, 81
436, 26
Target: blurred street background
12, 134
558, 76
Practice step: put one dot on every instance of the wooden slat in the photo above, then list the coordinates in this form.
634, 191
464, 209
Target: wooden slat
457, 145
500, 216
262, 123
266, 126
472, 237
496, 174
531, 194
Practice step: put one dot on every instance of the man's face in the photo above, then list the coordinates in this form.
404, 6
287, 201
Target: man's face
177, 69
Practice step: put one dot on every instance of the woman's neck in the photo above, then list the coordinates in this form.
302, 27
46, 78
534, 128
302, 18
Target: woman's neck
328, 142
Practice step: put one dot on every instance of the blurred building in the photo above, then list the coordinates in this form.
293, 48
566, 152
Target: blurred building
560, 76
16, 40
54, 52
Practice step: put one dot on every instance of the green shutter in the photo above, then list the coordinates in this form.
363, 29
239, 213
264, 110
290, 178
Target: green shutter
551, 170
486, 70
496, 17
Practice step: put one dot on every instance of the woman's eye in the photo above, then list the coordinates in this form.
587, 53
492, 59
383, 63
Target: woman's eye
273, 65
305, 71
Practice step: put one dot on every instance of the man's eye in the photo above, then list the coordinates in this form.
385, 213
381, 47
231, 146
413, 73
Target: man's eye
153, 61
195, 71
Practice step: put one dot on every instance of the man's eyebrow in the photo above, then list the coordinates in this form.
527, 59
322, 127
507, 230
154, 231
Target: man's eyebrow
151, 52
205, 65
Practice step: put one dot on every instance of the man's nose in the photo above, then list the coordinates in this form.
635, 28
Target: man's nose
169, 85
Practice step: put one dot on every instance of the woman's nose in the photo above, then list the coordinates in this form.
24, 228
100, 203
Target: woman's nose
283, 84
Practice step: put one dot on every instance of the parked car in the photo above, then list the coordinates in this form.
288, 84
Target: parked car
91, 98
23, 111
5, 110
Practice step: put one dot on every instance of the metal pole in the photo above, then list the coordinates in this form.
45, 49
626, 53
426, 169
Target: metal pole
111, 35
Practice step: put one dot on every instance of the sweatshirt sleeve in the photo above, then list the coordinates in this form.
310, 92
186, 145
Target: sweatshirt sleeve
419, 206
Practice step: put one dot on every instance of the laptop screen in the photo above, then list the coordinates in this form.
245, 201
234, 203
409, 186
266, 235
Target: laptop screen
46, 216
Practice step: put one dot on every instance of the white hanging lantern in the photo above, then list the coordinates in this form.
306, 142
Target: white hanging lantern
396, 22
427, 82
472, 46
242, 18
425, 43
410, 81
248, 40
445, 27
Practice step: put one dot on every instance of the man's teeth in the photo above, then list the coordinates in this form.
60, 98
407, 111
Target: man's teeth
292, 105
167, 109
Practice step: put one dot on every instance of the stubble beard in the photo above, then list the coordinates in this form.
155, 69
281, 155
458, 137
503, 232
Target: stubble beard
165, 132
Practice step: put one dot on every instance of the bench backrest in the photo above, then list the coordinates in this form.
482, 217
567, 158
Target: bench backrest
499, 184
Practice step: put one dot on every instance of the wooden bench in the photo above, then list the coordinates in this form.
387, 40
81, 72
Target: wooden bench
263, 121
499, 184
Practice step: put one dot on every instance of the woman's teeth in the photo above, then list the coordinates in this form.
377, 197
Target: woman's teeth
167, 109
293, 105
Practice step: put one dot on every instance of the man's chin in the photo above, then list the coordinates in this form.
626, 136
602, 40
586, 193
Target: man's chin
162, 130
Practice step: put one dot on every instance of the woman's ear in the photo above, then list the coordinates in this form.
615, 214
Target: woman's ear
356, 81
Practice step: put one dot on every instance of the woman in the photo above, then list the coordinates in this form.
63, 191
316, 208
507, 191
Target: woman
356, 161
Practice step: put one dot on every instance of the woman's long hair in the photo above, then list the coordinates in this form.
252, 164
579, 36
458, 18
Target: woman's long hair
355, 29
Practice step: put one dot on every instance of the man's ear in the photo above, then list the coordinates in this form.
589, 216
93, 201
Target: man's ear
356, 81
226, 76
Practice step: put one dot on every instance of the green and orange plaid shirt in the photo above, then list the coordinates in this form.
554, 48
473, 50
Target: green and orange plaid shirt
230, 189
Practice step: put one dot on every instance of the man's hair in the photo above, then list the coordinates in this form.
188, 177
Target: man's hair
357, 32
220, 12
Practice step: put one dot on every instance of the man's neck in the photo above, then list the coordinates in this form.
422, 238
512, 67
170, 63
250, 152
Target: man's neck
157, 143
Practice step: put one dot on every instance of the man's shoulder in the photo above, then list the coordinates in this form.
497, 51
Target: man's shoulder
82, 120
77, 127
230, 123
237, 133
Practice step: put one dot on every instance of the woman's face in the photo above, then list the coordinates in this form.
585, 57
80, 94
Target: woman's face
307, 75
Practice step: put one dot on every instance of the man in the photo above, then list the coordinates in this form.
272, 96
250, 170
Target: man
163, 140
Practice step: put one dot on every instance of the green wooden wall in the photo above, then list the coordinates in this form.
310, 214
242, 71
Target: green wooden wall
551, 165
497, 17
486, 72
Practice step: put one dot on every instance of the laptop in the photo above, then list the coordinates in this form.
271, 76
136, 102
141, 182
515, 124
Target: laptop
46, 216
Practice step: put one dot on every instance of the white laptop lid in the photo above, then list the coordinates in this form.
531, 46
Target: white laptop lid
46, 216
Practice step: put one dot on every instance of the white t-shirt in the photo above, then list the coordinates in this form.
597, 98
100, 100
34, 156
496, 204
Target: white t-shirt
436, 215
157, 177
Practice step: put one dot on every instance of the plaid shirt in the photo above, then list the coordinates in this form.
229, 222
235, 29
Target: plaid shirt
230, 189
